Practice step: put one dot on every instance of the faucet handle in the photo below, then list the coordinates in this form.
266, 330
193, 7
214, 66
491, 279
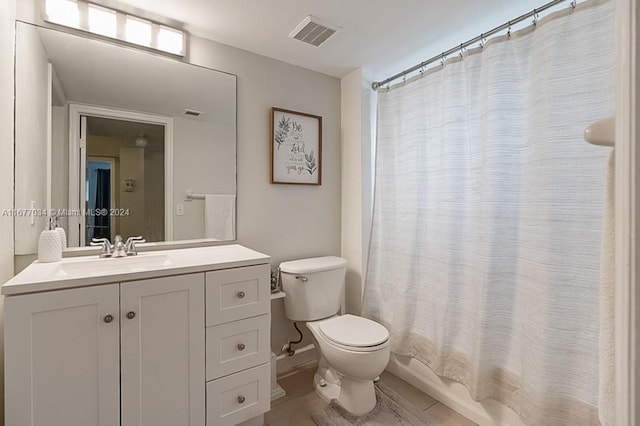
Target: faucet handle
130, 245
104, 243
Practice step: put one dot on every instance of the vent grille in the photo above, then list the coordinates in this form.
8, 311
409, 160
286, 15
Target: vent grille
192, 113
313, 30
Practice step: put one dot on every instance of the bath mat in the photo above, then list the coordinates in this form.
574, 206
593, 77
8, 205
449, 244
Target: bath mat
387, 411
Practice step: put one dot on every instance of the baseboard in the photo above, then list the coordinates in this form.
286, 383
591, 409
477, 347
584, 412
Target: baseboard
276, 389
303, 355
452, 394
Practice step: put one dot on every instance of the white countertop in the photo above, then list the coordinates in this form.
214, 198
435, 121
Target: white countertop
90, 270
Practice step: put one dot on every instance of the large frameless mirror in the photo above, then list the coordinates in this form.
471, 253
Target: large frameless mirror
114, 140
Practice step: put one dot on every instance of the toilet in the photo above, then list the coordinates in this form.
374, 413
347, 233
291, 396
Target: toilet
353, 350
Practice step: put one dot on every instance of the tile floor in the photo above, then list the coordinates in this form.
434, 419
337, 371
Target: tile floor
301, 401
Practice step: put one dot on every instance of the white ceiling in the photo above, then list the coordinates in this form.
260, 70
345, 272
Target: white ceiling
383, 36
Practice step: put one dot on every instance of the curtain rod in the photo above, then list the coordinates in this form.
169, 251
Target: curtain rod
468, 43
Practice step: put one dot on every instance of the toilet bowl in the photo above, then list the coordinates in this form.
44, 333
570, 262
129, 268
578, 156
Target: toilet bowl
353, 350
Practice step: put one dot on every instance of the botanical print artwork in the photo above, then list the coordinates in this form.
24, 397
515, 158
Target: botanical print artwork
296, 148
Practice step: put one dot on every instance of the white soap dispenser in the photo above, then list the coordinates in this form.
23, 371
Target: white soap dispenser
61, 232
49, 245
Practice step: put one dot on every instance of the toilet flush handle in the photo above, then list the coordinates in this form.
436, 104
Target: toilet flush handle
302, 278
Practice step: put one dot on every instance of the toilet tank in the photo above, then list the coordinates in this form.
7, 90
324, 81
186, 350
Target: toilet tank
313, 287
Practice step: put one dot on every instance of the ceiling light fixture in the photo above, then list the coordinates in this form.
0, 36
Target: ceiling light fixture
142, 141
103, 21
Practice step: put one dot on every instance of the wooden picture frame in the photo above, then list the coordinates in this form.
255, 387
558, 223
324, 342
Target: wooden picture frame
296, 147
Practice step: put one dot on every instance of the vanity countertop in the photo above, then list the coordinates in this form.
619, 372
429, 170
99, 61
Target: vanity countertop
91, 270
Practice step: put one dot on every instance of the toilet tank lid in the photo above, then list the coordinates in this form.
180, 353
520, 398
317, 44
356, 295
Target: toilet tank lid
314, 264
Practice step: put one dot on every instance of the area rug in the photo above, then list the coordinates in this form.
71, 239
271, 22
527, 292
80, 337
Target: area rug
388, 411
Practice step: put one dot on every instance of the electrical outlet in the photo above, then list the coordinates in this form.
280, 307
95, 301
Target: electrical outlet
179, 209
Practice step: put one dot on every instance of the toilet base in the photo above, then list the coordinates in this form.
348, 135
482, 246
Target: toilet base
358, 397
326, 381
326, 391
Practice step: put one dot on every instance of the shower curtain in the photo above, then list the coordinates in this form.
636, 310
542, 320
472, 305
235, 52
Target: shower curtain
485, 246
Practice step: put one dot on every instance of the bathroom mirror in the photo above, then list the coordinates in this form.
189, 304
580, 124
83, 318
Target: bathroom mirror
113, 140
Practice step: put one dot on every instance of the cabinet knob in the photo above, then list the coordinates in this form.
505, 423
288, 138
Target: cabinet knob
241, 399
131, 315
241, 346
240, 295
108, 318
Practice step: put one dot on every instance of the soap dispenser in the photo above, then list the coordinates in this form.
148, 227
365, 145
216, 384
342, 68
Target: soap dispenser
49, 244
61, 232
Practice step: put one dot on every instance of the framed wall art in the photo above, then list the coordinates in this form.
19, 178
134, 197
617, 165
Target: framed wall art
296, 147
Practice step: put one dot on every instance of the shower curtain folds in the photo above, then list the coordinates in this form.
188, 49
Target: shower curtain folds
484, 259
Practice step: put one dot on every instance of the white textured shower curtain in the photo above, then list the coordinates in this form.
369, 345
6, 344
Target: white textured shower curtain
485, 248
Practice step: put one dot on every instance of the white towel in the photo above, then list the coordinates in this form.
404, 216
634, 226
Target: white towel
607, 388
220, 216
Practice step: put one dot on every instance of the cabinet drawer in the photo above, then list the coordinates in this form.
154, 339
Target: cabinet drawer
239, 293
237, 345
239, 397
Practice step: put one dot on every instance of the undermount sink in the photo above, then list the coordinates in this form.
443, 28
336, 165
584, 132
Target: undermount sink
97, 266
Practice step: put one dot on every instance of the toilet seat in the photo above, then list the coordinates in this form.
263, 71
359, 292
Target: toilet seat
354, 333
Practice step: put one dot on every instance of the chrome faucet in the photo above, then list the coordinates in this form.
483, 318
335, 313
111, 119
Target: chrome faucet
118, 249
130, 246
105, 244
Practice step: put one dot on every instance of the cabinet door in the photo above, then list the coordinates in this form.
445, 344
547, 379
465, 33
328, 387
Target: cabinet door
62, 358
162, 351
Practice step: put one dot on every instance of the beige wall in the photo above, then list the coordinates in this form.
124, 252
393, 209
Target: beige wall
60, 160
203, 173
132, 167
31, 127
358, 106
153, 195
7, 35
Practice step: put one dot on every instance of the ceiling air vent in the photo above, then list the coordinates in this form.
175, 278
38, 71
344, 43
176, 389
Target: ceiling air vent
314, 31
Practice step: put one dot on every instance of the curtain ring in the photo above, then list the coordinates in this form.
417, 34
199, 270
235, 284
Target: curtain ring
443, 59
535, 17
481, 41
461, 50
509, 30
573, 4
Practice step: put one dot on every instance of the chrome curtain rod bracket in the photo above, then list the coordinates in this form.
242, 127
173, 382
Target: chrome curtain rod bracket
421, 67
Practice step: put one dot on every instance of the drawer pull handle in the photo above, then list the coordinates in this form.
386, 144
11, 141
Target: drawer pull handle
241, 346
240, 295
108, 318
131, 315
241, 399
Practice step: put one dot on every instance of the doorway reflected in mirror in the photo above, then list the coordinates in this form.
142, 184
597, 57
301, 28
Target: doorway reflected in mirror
124, 179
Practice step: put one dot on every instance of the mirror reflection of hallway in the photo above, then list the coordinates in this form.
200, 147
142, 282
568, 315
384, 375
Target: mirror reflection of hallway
99, 188
124, 178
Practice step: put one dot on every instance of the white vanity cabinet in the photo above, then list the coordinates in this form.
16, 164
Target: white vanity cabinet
74, 354
177, 346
